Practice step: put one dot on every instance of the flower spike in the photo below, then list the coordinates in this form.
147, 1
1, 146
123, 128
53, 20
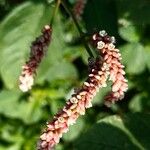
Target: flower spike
106, 65
75, 106
106, 48
38, 50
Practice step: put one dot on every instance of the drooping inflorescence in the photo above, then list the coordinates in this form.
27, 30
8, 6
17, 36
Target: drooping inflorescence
106, 65
111, 56
38, 49
75, 106
79, 8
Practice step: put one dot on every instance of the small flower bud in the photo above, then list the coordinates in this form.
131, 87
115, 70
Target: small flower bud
113, 40
100, 45
111, 46
61, 119
103, 33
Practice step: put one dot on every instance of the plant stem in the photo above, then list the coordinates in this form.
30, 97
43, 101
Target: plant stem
78, 27
55, 12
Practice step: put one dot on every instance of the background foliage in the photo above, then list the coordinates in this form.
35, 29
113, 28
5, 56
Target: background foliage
124, 126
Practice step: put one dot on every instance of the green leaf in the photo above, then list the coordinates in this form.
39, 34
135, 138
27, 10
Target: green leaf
48, 93
129, 32
72, 53
138, 125
59, 147
122, 133
28, 111
16, 146
147, 55
133, 56
136, 103
75, 130
62, 70
2, 2
7, 99
17, 31
99, 98
139, 103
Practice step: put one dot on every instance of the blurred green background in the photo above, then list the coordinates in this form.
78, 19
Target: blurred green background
124, 126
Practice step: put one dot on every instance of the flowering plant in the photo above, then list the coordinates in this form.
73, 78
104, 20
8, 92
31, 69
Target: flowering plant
107, 64
64, 57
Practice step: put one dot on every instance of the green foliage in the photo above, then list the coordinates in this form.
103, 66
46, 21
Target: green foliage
129, 32
119, 133
23, 115
133, 56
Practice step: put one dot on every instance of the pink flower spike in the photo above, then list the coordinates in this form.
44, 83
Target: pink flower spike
38, 49
107, 65
112, 57
75, 106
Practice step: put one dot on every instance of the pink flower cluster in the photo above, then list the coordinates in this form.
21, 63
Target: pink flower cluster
112, 57
38, 49
106, 65
75, 106
79, 8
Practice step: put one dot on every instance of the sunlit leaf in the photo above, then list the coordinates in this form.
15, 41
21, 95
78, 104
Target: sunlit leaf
62, 70
133, 56
139, 103
28, 111
129, 32
74, 130
147, 55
